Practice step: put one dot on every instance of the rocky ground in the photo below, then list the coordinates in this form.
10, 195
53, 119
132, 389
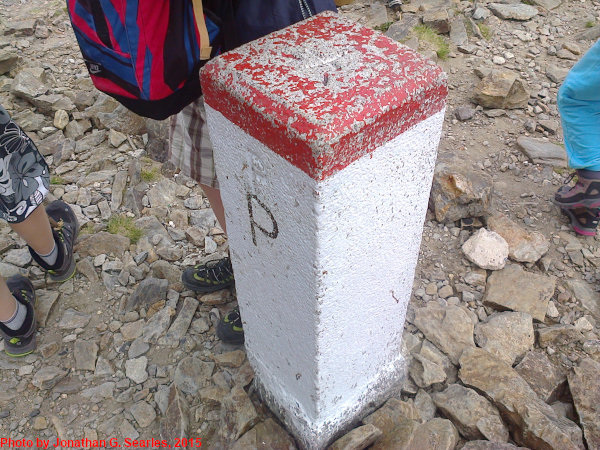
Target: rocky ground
503, 328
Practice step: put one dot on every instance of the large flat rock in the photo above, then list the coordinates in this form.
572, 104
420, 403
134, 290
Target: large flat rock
533, 423
542, 152
584, 383
450, 328
513, 288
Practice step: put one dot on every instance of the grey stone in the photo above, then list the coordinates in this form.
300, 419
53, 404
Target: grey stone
481, 13
150, 290
157, 325
135, 369
30, 82
85, 353
425, 405
474, 416
392, 421
167, 271
8, 61
437, 434
523, 246
151, 226
30, 121
182, 322
458, 31
138, 348
501, 89
584, 384
464, 113
544, 377
457, 194
449, 328
591, 34
513, 288
238, 414
516, 11
542, 152
96, 394
85, 267
508, 335
143, 414
44, 304
192, 374
52, 103
117, 190
486, 249
487, 445
585, 295
119, 119
377, 15
399, 30
20, 257
202, 218
547, 4
163, 194
269, 435
438, 19
556, 74
47, 377
102, 243
558, 335
534, 422
175, 424
72, 319
425, 372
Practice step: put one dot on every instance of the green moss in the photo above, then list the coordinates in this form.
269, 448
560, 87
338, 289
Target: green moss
88, 228
429, 35
124, 226
590, 24
383, 27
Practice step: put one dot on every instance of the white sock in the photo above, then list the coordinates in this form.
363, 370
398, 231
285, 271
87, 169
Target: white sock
16, 321
51, 257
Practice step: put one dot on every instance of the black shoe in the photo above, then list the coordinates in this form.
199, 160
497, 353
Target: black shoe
209, 277
229, 328
21, 342
64, 229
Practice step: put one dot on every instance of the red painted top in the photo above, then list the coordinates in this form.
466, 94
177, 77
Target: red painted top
324, 92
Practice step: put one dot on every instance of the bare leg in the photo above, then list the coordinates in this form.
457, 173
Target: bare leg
36, 231
8, 304
214, 198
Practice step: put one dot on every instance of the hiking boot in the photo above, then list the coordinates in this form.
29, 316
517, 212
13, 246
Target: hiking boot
21, 342
584, 221
229, 328
585, 193
212, 276
64, 229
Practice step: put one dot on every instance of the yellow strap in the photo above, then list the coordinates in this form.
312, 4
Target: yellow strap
205, 48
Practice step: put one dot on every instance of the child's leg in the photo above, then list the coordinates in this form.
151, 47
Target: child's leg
579, 106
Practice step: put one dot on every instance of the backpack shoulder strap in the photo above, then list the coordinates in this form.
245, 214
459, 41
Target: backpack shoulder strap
205, 48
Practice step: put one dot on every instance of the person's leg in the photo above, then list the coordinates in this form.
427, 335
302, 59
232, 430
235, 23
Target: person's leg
579, 107
36, 231
216, 203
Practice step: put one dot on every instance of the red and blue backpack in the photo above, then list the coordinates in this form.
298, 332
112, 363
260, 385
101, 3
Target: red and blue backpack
147, 53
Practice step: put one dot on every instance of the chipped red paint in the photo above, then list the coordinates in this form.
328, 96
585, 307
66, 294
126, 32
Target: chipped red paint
324, 92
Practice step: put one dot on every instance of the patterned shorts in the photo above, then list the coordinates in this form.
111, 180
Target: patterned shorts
24, 174
190, 148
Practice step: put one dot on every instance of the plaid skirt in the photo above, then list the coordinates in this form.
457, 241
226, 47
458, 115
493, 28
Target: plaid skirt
190, 148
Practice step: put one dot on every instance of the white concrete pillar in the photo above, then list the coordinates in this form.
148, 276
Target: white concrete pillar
325, 136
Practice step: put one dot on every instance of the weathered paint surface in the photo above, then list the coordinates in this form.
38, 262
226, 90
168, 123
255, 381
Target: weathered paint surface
325, 92
324, 299
325, 139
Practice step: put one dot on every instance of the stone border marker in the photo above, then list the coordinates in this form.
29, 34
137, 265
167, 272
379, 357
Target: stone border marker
325, 137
